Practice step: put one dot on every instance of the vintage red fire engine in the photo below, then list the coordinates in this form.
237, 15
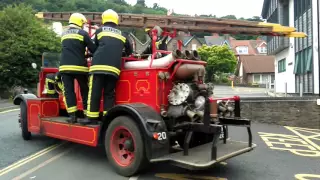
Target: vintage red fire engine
159, 101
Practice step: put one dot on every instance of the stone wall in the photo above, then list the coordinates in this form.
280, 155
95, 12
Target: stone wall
285, 111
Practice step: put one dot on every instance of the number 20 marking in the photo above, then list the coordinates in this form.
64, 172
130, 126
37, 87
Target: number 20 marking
162, 136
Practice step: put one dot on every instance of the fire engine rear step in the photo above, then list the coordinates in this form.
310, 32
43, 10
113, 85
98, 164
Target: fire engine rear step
200, 157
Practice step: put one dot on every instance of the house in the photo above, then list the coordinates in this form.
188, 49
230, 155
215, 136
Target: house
188, 43
216, 40
260, 46
249, 47
255, 69
297, 59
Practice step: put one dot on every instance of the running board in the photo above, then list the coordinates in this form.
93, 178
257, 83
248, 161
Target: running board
58, 127
200, 157
63, 120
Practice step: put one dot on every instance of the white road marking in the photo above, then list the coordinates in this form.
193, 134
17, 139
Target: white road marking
134, 178
7, 107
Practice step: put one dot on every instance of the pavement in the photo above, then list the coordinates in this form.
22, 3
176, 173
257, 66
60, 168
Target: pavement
224, 91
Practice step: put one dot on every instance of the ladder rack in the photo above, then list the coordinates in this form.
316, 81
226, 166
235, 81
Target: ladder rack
186, 23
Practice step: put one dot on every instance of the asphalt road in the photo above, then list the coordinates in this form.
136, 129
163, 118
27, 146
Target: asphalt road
224, 91
71, 161
12, 146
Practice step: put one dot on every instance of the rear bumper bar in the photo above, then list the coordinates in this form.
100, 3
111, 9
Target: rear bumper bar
215, 129
200, 156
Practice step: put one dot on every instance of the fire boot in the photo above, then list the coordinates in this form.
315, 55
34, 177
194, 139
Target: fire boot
87, 121
72, 118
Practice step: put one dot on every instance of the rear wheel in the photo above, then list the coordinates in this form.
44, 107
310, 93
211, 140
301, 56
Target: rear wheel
124, 146
26, 135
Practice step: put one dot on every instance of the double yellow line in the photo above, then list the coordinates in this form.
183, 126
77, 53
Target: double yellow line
30, 158
10, 110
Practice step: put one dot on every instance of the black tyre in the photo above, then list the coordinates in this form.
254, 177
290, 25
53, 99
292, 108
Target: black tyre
125, 147
26, 135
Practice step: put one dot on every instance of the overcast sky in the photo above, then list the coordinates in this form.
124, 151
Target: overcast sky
216, 7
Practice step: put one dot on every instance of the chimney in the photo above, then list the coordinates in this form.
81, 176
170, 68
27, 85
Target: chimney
215, 34
226, 37
182, 33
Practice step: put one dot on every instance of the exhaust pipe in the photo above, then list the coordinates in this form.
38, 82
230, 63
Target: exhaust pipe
177, 53
192, 115
163, 113
200, 113
191, 55
188, 54
195, 55
178, 111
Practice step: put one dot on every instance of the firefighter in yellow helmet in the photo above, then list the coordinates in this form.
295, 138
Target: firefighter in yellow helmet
73, 64
161, 43
53, 85
105, 66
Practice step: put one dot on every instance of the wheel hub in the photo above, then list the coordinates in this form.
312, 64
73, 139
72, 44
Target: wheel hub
128, 145
122, 146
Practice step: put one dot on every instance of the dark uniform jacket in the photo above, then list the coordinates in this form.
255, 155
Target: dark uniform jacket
110, 42
74, 41
161, 44
52, 82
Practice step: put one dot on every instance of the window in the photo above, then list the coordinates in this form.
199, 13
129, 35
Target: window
242, 49
297, 64
285, 15
256, 78
264, 78
272, 78
282, 65
263, 50
194, 46
309, 60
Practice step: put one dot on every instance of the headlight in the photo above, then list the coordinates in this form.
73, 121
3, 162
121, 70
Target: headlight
199, 103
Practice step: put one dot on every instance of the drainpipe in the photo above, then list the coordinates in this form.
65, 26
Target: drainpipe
318, 4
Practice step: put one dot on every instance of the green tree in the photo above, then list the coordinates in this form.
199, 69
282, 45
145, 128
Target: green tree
141, 2
220, 59
23, 40
229, 17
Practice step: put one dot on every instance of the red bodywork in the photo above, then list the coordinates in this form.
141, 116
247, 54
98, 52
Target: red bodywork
137, 85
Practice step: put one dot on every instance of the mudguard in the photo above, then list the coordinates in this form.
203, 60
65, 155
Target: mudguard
152, 126
23, 97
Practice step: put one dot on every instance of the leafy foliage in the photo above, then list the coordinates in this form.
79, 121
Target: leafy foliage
23, 40
220, 59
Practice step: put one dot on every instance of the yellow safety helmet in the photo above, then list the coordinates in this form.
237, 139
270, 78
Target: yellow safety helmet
147, 29
110, 16
77, 19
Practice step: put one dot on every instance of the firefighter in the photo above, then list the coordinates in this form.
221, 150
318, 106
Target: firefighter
161, 43
52, 83
105, 66
73, 64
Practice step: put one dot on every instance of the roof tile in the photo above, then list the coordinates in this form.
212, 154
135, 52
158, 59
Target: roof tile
257, 63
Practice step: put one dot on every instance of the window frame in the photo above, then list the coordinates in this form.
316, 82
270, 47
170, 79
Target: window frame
282, 66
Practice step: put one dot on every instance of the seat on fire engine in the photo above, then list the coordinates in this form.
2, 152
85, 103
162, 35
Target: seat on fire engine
157, 63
